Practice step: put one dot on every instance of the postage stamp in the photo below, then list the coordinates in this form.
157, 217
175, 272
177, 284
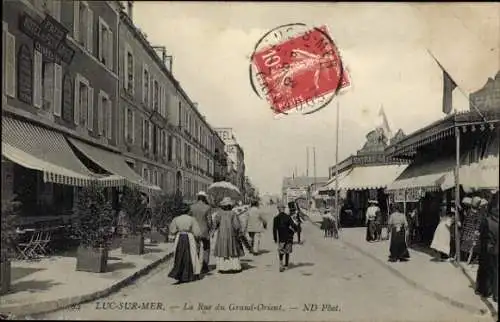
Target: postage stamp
297, 69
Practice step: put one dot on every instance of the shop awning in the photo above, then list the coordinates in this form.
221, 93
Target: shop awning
41, 149
330, 185
424, 175
371, 177
113, 163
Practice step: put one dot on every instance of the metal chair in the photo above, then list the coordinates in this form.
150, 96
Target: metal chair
41, 243
25, 249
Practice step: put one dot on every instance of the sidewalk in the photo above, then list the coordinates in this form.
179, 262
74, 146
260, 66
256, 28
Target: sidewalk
53, 283
441, 280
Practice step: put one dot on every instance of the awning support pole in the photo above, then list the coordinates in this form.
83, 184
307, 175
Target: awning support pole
337, 208
457, 194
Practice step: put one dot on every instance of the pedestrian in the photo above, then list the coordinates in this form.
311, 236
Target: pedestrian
200, 211
242, 214
283, 231
487, 273
326, 223
294, 211
442, 235
378, 225
398, 226
371, 215
256, 225
227, 245
334, 222
186, 260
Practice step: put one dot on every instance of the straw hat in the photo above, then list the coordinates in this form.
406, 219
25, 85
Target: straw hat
476, 201
202, 194
227, 201
373, 201
483, 203
467, 201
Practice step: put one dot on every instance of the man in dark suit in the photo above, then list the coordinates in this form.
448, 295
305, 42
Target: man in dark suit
283, 230
200, 210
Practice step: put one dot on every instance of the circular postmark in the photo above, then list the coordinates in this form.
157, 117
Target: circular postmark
297, 68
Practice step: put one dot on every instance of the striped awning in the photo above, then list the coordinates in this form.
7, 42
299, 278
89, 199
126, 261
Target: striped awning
114, 163
371, 177
41, 149
330, 185
424, 175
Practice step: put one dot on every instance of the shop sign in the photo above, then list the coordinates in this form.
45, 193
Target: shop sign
25, 75
49, 37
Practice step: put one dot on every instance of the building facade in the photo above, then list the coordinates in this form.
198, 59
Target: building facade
163, 133
60, 82
220, 159
236, 154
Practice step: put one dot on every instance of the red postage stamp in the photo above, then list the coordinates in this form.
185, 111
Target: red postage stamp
301, 73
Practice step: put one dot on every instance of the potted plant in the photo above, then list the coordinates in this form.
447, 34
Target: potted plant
134, 206
167, 207
10, 212
93, 227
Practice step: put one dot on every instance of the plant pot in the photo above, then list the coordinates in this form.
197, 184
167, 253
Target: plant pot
89, 259
133, 245
5, 270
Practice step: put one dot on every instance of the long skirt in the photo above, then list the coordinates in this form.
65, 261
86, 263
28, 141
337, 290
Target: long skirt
398, 249
186, 261
487, 275
231, 264
371, 230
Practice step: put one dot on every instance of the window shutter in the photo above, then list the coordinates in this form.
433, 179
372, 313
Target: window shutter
56, 7
133, 126
125, 124
90, 110
10, 64
125, 67
109, 50
76, 112
109, 110
57, 89
76, 20
37, 83
150, 92
143, 85
90, 31
150, 136
100, 114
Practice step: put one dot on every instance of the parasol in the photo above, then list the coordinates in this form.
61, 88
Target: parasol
221, 189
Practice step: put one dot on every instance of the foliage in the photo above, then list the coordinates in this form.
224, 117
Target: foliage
167, 207
10, 215
94, 217
135, 207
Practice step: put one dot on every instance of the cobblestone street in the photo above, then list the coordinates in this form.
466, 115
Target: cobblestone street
328, 280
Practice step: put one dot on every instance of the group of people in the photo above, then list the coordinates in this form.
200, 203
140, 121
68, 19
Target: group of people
226, 230
478, 238
330, 223
373, 222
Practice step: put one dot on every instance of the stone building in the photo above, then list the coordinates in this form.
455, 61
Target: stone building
60, 100
220, 159
164, 135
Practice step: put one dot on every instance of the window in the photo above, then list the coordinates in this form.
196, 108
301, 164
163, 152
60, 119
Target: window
156, 140
146, 134
128, 82
163, 149
156, 95
170, 148
83, 25
155, 177
145, 85
9, 61
145, 174
105, 44
105, 118
52, 7
180, 115
129, 126
186, 154
47, 84
84, 109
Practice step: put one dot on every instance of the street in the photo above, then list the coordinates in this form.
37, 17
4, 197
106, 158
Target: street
327, 280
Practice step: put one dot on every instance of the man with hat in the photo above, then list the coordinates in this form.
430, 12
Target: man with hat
283, 230
372, 213
200, 211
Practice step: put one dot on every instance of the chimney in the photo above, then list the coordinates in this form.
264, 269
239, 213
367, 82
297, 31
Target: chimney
195, 104
170, 60
130, 6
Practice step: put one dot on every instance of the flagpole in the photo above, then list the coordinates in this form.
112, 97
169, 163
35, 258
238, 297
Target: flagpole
337, 208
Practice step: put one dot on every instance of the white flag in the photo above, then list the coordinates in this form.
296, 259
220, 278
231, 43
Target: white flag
385, 124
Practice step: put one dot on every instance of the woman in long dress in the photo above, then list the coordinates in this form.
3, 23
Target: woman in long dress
442, 235
187, 264
228, 249
398, 227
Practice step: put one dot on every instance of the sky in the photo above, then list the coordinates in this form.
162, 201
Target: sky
384, 45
